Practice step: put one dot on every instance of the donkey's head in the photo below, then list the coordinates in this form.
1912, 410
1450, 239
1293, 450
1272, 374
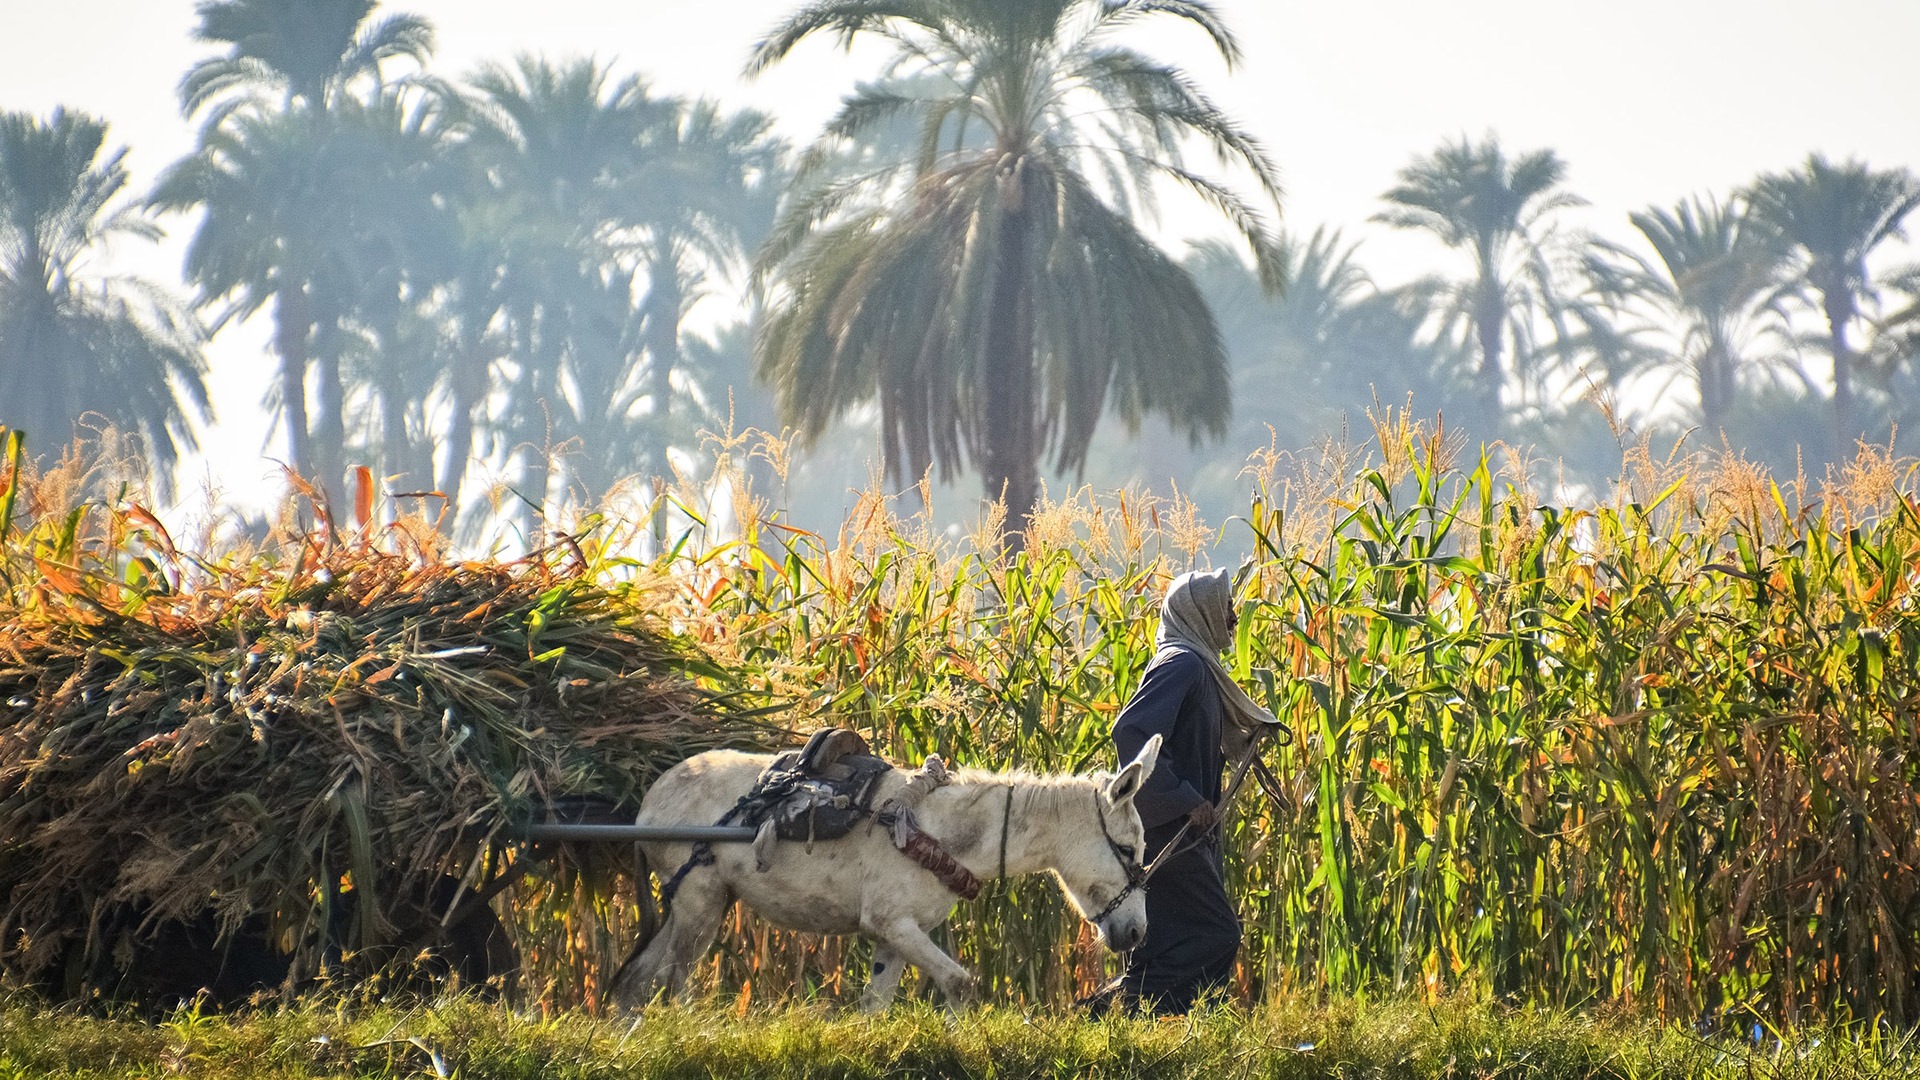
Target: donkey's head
1099, 864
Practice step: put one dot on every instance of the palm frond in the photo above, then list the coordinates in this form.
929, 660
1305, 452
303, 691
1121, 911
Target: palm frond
843, 19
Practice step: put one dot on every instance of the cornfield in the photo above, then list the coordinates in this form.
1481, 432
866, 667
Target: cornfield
1653, 751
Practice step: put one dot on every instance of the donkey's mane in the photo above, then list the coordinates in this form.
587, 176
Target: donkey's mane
1026, 778
983, 787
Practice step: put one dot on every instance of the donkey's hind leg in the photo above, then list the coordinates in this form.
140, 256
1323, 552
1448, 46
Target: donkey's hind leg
691, 923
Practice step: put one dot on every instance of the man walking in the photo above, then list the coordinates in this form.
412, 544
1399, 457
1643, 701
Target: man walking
1188, 699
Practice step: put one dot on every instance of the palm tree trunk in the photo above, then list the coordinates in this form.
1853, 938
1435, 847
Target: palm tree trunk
1715, 379
292, 326
1489, 317
469, 386
1838, 304
1010, 460
329, 406
420, 465
665, 304
398, 462
453, 475
469, 383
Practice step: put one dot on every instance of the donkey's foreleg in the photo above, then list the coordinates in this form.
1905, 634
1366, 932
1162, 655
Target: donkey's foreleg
884, 981
699, 922
905, 938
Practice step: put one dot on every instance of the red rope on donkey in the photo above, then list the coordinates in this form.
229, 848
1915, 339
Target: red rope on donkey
922, 848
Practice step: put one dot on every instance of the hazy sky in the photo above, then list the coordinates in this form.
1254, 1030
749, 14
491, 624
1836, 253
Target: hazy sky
1647, 100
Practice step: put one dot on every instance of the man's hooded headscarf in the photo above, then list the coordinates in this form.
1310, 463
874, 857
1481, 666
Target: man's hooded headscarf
1197, 613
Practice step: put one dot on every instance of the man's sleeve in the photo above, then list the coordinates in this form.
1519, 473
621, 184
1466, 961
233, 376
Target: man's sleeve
1153, 710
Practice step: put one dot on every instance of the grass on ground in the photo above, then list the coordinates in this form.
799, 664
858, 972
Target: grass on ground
473, 1040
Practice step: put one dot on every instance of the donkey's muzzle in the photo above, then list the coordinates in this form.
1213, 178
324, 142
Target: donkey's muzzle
1122, 935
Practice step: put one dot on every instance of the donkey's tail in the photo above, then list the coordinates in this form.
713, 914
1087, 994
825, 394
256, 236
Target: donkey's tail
649, 921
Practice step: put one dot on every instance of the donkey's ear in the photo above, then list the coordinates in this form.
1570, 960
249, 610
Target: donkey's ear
1148, 757
1124, 786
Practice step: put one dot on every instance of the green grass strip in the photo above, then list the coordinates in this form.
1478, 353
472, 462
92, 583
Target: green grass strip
471, 1040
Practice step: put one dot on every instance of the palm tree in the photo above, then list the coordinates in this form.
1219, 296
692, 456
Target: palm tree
1897, 343
1498, 212
1326, 348
467, 305
1304, 365
701, 198
264, 181
551, 142
1891, 357
397, 235
72, 343
623, 205
298, 51
990, 289
1834, 216
1715, 273
259, 172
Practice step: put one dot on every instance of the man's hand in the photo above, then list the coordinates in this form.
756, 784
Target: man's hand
1204, 816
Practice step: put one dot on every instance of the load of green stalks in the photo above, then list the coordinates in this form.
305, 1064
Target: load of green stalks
244, 739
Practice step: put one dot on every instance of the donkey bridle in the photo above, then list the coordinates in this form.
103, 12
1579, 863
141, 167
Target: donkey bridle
1136, 874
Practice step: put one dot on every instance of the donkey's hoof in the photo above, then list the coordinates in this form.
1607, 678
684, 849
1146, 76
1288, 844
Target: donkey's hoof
628, 996
963, 992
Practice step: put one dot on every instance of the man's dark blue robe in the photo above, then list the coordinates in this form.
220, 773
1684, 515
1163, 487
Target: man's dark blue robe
1193, 933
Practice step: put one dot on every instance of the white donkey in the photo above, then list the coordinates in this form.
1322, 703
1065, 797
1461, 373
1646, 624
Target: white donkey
1084, 829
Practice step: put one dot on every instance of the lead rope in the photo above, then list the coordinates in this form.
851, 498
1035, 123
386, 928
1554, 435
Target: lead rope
1173, 848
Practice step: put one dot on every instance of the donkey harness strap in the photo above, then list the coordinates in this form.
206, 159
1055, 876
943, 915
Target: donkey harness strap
1006, 820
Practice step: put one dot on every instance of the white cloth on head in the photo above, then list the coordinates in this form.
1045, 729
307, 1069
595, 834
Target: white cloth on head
1197, 614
